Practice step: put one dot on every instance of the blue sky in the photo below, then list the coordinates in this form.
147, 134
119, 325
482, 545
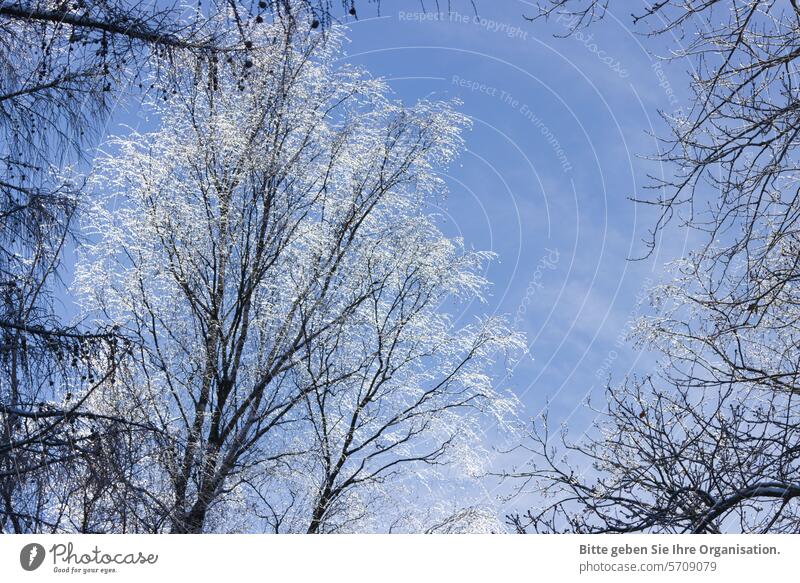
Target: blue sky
562, 131
561, 128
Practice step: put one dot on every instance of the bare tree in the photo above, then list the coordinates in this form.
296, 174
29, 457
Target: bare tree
61, 65
734, 148
669, 460
269, 251
78, 59
707, 444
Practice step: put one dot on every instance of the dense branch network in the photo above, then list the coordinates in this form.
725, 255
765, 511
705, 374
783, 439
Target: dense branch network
707, 443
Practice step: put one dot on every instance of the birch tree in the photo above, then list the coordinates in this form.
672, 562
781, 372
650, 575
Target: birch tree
270, 252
